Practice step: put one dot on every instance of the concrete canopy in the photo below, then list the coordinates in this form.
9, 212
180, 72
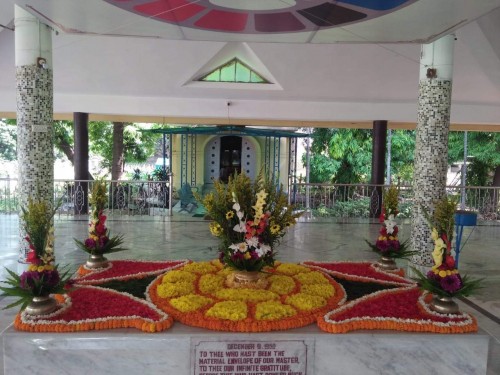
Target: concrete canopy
119, 64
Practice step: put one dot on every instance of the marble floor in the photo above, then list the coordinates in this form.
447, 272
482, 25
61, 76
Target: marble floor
184, 237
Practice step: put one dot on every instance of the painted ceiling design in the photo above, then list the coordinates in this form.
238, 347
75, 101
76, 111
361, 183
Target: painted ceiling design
261, 16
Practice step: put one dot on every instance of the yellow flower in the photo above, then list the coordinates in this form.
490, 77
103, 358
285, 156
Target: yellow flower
273, 310
244, 294
434, 234
262, 195
190, 302
181, 288
229, 215
200, 268
230, 310
247, 255
281, 284
306, 302
175, 276
32, 267
275, 228
291, 269
313, 277
322, 290
215, 229
211, 283
442, 273
41, 268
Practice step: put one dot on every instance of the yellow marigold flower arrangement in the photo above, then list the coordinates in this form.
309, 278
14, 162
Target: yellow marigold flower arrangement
281, 284
322, 290
230, 310
291, 269
200, 268
181, 288
313, 277
190, 302
304, 301
211, 283
273, 310
242, 294
178, 275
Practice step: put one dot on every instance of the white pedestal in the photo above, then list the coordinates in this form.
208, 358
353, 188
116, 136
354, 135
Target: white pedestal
175, 352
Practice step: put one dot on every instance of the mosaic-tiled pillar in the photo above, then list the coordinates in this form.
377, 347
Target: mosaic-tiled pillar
431, 146
35, 134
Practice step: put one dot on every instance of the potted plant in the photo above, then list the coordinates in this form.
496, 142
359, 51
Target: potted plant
34, 287
249, 218
387, 244
99, 241
444, 280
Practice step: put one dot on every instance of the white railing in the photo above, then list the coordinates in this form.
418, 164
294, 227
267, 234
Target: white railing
154, 198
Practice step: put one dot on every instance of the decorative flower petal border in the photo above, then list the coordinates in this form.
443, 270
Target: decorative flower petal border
384, 277
429, 321
55, 323
128, 269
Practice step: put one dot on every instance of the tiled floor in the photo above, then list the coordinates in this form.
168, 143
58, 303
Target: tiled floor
185, 237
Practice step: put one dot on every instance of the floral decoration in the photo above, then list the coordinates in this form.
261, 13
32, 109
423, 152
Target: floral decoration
249, 218
207, 301
99, 241
444, 279
42, 276
387, 243
402, 307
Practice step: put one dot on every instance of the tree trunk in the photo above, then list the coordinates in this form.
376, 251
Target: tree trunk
65, 147
118, 151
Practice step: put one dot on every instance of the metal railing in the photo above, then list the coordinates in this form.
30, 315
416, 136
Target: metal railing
154, 198
126, 197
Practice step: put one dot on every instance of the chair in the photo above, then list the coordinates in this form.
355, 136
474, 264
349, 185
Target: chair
188, 201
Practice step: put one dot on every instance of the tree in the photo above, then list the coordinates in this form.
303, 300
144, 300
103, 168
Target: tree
118, 160
8, 139
344, 155
483, 150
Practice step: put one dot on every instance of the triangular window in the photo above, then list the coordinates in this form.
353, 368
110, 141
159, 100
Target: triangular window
234, 71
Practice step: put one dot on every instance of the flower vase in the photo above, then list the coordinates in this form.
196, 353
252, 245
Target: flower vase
96, 261
41, 305
386, 263
247, 279
444, 305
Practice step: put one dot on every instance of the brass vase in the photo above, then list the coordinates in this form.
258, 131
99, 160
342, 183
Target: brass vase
247, 279
96, 261
41, 305
444, 305
386, 263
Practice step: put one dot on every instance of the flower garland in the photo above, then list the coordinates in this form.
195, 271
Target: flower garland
293, 298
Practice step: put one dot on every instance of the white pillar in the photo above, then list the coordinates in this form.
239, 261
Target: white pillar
35, 135
431, 146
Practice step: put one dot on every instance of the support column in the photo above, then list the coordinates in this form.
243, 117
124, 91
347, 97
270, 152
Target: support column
34, 96
379, 141
81, 162
431, 145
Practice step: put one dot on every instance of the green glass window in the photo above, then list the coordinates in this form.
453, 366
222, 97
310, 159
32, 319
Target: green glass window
234, 71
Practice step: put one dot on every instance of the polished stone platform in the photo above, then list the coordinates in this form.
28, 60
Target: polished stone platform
181, 350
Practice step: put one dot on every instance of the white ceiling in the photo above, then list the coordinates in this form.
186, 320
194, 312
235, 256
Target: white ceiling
320, 75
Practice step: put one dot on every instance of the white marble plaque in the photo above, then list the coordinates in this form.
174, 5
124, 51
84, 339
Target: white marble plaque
250, 357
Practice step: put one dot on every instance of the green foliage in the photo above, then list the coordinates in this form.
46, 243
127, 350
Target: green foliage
8, 138
483, 150
469, 285
351, 208
138, 145
344, 155
37, 222
159, 174
443, 217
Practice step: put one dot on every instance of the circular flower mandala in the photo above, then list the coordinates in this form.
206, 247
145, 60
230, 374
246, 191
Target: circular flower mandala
198, 295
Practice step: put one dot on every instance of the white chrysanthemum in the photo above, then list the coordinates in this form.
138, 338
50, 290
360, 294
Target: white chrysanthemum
241, 247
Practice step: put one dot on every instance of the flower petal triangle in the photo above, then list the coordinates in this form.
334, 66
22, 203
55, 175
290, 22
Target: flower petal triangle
94, 308
129, 269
